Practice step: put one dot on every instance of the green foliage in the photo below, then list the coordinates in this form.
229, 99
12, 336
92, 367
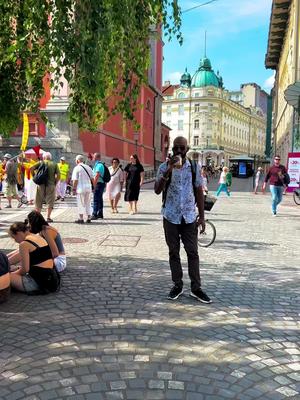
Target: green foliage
101, 47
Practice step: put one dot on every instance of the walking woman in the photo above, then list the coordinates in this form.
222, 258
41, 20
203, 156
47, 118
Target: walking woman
134, 176
36, 273
223, 182
114, 186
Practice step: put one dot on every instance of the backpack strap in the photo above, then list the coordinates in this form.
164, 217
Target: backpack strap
194, 169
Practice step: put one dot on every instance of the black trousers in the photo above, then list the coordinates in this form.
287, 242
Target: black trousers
188, 233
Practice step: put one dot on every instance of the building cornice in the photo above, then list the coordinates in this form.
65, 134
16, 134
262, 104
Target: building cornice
277, 29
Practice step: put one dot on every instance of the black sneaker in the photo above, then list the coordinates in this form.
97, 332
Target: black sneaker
201, 296
175, 292
94, 217
79, 221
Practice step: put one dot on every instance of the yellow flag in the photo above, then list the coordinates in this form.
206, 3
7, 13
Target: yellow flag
25, 132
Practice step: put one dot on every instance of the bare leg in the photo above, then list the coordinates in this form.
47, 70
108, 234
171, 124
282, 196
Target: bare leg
16, 281
9, 200
116, 201
135, 206
131, 207
112, 205
49, 211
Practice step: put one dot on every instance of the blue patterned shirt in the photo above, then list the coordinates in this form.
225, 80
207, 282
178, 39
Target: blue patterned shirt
180, 200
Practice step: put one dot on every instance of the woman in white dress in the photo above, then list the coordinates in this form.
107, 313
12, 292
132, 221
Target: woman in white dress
114, 186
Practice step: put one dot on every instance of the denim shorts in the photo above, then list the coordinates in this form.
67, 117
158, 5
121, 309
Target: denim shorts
29, 284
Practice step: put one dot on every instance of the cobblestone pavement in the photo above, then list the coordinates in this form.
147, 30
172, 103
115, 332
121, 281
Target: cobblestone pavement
110, 333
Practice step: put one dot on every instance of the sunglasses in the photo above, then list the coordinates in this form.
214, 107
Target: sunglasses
182, 148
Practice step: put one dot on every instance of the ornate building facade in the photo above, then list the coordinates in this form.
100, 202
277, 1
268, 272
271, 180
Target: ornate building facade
283, 56
217, 128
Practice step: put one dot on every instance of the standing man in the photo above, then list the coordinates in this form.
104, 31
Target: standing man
276, 176
61, 187
175, 179
82, 178
46, 192
11, 173
99, 187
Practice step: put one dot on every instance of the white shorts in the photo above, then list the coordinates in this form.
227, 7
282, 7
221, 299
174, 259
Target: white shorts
60, 262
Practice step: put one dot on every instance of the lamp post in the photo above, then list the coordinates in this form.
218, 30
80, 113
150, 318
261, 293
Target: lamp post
136, 138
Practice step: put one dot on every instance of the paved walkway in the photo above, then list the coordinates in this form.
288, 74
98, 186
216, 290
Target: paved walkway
110, 333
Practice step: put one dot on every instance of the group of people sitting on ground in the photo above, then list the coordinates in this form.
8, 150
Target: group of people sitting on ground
35, 267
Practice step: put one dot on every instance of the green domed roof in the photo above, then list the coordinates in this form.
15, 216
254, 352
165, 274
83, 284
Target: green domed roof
205, 76
185, 79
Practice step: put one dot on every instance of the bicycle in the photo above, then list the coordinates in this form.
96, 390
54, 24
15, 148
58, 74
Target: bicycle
296, 196
207, 238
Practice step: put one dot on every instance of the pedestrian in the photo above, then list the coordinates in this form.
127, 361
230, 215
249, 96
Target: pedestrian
29, 186
4, 278
99, 186
229, 180
46, 191
11, 180
1, 180
204, 177
276, 176
36, 273
181, 184
134, 179
114, 186
61, 186
82, 180
222, 182
258, 179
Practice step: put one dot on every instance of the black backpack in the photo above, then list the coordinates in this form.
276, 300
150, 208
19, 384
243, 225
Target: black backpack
193, 168
41, 176
106, 175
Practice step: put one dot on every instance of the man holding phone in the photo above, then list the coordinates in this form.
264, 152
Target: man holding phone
175, 180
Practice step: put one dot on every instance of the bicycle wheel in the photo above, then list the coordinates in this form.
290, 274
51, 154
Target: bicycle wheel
296, 198
207, 238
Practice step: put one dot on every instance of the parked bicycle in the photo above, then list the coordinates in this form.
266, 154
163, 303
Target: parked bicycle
207, 238
296, 195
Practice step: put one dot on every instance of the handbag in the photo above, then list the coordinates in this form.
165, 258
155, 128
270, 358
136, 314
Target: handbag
209, 202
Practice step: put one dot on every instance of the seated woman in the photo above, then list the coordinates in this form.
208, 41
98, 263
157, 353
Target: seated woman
36, 273
4, 278
38, 224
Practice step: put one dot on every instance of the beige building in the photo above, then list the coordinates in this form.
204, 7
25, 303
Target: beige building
217, 128
283, 56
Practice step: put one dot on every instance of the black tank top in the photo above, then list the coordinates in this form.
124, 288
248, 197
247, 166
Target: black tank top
39, 255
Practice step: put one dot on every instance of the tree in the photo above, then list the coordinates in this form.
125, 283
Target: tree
101, 47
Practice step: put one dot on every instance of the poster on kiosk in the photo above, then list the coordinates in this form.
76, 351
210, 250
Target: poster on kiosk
293, 168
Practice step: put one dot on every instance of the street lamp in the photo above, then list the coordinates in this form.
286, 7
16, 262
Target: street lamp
136, 138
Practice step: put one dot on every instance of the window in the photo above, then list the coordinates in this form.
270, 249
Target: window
197, 107
197, 94
196, 124
169, 110
148, 105
180, 124
209, 123
181, 95
196, 140
181, 109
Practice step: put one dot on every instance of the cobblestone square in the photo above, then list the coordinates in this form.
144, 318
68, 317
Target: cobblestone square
110, 333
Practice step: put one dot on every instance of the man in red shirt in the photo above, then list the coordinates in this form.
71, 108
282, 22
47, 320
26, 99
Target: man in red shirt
276, 176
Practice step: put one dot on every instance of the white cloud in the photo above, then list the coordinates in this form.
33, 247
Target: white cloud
173, 77
269, 83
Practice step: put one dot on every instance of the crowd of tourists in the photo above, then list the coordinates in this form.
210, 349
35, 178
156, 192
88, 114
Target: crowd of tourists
35, 267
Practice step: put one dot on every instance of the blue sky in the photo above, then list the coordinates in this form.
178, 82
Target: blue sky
237, 34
